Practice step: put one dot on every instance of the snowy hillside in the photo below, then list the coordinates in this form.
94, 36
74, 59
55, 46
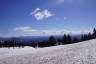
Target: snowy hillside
79, 53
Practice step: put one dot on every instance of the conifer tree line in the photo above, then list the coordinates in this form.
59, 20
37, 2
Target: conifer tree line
52, 41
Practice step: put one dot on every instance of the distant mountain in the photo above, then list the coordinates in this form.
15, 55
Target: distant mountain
36, 38
1, 38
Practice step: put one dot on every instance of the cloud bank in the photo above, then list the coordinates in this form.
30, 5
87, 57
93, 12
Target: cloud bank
28, 31
22, 29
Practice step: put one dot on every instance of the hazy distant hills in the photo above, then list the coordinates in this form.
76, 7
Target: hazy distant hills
35, 38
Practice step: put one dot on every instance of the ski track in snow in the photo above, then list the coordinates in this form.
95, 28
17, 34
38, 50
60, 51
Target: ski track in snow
78, 53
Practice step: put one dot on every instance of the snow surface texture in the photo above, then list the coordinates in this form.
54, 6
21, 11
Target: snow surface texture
79, 53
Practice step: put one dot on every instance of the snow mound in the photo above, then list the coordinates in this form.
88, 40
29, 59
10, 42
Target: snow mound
78, 53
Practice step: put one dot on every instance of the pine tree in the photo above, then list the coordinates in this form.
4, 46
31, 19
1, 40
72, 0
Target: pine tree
89, 36
0, 44
64, 40
69, 39
52, 41
82, 38
94, 33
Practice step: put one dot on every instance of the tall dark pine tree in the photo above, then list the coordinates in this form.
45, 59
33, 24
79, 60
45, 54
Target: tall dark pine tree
0, 44
82, 38
52, 41
89, 36
64, 40
69, 39
94, 33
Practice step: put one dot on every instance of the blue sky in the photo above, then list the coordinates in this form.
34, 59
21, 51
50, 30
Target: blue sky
46, 17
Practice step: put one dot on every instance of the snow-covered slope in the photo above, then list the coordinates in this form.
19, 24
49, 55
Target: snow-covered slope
9, 52
79, 53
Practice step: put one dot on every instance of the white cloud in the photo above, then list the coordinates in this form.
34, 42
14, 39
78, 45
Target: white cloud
40, 15
36, 10
47, 13
22, 29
